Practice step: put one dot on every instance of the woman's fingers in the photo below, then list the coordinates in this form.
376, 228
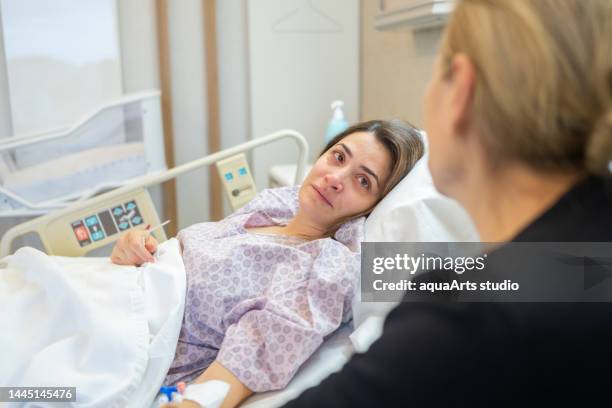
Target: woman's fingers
134, 248
150, 244
118, 255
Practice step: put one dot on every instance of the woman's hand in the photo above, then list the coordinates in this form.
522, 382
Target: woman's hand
134, 248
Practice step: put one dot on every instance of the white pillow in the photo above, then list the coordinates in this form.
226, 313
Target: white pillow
414, 211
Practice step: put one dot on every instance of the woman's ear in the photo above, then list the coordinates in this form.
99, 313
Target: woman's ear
463, 84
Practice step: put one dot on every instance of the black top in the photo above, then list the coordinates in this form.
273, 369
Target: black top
491, 354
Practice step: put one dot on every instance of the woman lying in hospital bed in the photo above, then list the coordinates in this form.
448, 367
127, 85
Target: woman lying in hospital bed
268, 283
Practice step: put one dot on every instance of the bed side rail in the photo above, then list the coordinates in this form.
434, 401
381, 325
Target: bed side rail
45, 225
13, 142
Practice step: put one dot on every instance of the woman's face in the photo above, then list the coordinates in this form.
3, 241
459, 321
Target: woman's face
346, 180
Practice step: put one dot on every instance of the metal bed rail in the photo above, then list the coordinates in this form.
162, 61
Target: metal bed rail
37, 224
14, 142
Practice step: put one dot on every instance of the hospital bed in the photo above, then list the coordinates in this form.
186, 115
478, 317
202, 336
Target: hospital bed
413, 211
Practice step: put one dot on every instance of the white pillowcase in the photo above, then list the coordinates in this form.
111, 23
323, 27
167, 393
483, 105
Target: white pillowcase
414, 211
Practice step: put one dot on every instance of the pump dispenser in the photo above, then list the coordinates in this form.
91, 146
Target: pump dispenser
338, 123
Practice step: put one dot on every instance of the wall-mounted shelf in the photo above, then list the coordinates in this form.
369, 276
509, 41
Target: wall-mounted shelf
413, 14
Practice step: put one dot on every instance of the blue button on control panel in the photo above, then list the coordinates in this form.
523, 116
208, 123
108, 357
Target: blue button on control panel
98, 235
106, 223
90, 221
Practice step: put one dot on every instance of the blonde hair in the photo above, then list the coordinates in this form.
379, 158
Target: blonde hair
543, 91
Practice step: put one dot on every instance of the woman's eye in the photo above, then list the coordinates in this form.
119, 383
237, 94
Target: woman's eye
364, 182
339, 157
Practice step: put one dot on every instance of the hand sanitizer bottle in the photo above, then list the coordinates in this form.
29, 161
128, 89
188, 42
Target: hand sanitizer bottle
338, 123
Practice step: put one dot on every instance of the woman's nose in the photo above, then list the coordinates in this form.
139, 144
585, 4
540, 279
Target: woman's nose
334, 181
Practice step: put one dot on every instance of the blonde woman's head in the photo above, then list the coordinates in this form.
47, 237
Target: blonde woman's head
537, 78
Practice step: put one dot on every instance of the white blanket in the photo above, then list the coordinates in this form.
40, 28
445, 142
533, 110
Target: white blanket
108, 330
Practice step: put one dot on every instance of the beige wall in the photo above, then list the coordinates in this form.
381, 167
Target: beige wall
396, 66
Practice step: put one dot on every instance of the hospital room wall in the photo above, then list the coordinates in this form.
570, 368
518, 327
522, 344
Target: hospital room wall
188, 88
189, 108
139, 56
396, 67
302, 56
233, 72
188, 71
233, 67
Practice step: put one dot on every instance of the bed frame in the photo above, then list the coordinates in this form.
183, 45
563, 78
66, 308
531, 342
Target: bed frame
59, 231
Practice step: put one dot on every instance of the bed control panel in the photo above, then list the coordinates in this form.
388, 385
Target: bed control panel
110, 221
79, 232
237, 179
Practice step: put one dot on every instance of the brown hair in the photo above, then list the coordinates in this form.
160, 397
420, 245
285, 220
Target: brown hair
403, 142
543, 91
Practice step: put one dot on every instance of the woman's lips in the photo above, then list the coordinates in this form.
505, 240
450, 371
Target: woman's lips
322, 196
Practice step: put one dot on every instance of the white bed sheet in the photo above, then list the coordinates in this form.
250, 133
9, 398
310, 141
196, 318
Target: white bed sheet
140, 323
108, 330
164, 302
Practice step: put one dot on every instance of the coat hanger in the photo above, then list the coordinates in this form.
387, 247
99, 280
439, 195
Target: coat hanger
306, 18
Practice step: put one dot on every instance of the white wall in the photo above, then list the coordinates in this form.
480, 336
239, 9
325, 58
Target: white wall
139, 56
188, 72
232, 46
303, 55
138, 39
188, 68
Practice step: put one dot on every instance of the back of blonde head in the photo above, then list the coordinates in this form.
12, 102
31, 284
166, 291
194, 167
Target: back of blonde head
544, 78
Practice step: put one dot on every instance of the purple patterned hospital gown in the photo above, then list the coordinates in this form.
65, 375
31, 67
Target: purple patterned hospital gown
261, 304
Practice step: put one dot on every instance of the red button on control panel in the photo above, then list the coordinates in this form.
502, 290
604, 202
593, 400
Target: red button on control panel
81, 233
